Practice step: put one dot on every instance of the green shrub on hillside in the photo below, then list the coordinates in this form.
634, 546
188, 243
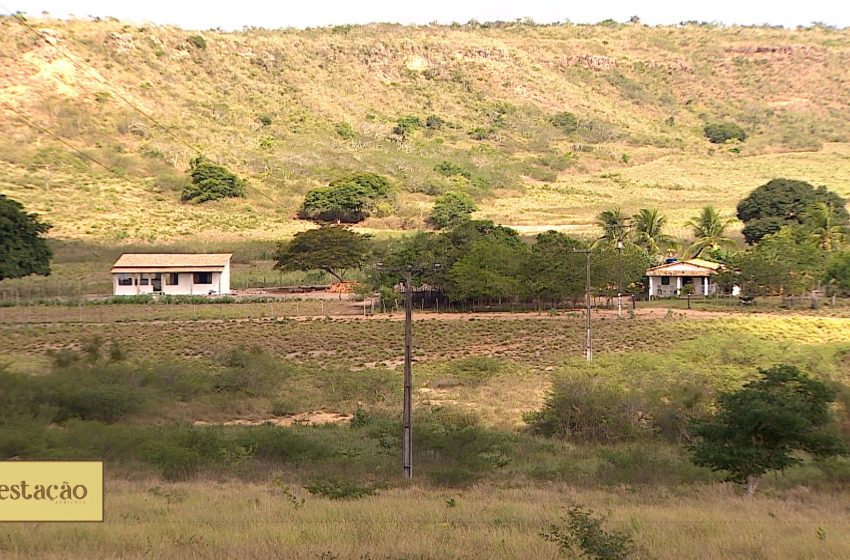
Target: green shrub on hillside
198, 42
264, 119
450, 169
350, 199
719, 133
565, 120
451, 207
344, 130
407, 124
211, 181
433, 122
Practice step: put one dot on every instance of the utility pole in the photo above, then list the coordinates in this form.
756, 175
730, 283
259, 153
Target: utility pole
588, 344
407, 406
620, 279
407, 398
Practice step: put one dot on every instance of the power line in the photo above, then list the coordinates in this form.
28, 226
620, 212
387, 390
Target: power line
90, 70
63, 141
94, 73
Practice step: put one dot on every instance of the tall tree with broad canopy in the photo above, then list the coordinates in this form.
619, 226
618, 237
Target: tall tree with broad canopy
333, 249
23, 250
786, 263
781, 202
763, 426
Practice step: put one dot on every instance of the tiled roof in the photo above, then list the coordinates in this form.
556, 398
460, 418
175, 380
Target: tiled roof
172, 260
689, 267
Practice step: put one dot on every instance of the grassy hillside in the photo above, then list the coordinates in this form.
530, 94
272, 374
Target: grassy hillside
330, 99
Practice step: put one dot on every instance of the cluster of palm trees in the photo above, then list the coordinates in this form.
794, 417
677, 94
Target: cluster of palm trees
646, 229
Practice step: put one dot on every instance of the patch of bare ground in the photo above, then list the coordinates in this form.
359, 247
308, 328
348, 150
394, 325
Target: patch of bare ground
314, 418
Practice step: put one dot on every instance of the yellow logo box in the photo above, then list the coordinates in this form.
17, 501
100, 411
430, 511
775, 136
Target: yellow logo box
51, 491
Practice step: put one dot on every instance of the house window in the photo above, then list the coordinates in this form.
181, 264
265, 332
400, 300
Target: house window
144, 281
665, 280
202, 278
172, 279
125, 280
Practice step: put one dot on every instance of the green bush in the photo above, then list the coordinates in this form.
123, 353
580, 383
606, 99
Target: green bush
337, 489
482, 133
211, 182
350, 199
589, 409
719, 133
407, 124
565, 120
198, 42
344, 130
433, 122
581, 532
450, 169
450, 208
264, 119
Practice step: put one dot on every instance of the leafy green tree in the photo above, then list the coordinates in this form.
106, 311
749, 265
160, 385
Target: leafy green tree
350, 199
838, 271
608, 264
555, 272
781, 202
613, 223
820, 222
719, 133
23, 250
333, 249
491, 270
786, 263
450, 208
764, 425
211, 181
709, 229
649, 231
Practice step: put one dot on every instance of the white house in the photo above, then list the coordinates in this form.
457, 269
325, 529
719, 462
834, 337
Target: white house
667, 280
176, 274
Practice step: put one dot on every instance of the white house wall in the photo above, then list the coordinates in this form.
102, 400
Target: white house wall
185, 286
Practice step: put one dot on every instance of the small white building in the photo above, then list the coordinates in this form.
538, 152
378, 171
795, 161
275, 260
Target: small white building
668, 279
175, 274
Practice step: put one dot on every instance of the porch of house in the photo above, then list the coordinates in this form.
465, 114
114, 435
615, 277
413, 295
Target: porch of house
672, 286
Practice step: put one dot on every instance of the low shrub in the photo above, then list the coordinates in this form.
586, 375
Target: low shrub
337, 489
565, 120
581, 532
721, 132
211, 181
198, 42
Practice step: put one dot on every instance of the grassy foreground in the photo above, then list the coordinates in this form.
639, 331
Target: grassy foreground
207, 519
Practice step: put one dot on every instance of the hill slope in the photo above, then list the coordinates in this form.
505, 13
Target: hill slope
641, 96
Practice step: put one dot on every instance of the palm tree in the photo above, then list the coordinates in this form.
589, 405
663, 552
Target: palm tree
709, 229
648, 230
822, 227
613, 224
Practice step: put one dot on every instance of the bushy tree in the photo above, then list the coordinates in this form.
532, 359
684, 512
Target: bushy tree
786, 263
764, 425
333, 249
718, 133
555, 272
838, 271
407, 124
491, 270
211, 181
349, 199
450, 208
608, 264
782, 202
23, 249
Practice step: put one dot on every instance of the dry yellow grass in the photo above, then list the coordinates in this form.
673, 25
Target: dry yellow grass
626, 83
148, 519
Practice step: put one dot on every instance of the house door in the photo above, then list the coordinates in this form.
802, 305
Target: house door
156, 283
